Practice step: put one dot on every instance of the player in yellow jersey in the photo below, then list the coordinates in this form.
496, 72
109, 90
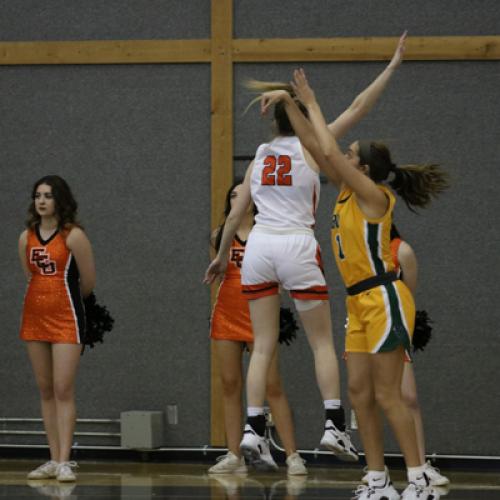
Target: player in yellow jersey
380, 307
406, 264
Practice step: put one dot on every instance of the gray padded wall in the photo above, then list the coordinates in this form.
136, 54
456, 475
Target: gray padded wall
108, 20
123, 137
424, 118
443, 112
134, 143
329, 18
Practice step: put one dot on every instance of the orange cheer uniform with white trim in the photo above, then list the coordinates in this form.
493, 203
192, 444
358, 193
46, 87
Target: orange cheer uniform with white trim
53, 309
231, 315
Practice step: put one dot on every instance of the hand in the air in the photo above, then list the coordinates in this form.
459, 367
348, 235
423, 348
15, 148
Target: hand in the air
272, 97
397, 58
301, 88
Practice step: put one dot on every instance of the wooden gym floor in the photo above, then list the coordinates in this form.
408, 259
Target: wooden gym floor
155, 481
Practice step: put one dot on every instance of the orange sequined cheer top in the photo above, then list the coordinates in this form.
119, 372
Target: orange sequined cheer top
53, 308
231, 315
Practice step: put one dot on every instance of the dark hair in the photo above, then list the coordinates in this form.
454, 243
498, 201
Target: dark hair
227, 209
394, 232
65, 204
416, 184
283, 123
281, 116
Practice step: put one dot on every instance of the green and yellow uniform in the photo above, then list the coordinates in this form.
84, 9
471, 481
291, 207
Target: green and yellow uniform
379, 318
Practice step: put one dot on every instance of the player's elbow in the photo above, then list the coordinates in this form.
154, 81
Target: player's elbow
232, 218
326, 146
331, 155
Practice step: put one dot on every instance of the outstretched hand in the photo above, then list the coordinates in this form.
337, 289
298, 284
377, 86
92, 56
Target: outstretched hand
216, 269
397, 58
301, 88
272, 97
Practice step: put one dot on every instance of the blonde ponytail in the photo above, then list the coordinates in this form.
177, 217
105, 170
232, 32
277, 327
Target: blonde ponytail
282, 121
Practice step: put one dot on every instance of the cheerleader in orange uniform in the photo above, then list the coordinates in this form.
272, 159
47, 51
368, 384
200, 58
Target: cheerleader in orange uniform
57, 259
53, 309
231, 316
231, 330
405, 260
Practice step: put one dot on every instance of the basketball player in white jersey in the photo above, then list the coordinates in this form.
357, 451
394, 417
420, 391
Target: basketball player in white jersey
283, 182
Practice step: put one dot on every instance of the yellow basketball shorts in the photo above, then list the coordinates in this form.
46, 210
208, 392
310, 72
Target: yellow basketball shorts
380, 319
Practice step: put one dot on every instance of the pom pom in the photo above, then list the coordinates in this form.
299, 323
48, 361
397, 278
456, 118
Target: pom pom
98, 321
423, 330
288, 326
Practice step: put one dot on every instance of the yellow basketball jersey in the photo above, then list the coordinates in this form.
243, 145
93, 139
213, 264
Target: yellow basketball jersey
361, 245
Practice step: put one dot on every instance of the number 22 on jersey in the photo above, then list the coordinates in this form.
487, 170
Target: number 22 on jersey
276, 171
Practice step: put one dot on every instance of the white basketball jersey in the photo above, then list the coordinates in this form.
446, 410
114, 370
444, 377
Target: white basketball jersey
284, 187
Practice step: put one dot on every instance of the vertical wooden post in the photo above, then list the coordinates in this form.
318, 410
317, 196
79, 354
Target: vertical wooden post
222, 163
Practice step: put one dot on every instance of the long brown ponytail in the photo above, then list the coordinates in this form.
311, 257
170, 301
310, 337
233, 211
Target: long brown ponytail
416, 184
419, 184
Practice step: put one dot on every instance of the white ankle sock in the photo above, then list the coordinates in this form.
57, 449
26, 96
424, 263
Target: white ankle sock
332, 404
254, 411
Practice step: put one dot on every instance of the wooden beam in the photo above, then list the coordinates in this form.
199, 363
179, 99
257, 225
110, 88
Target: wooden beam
106, 52
249, 50
222, 164
366, 49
